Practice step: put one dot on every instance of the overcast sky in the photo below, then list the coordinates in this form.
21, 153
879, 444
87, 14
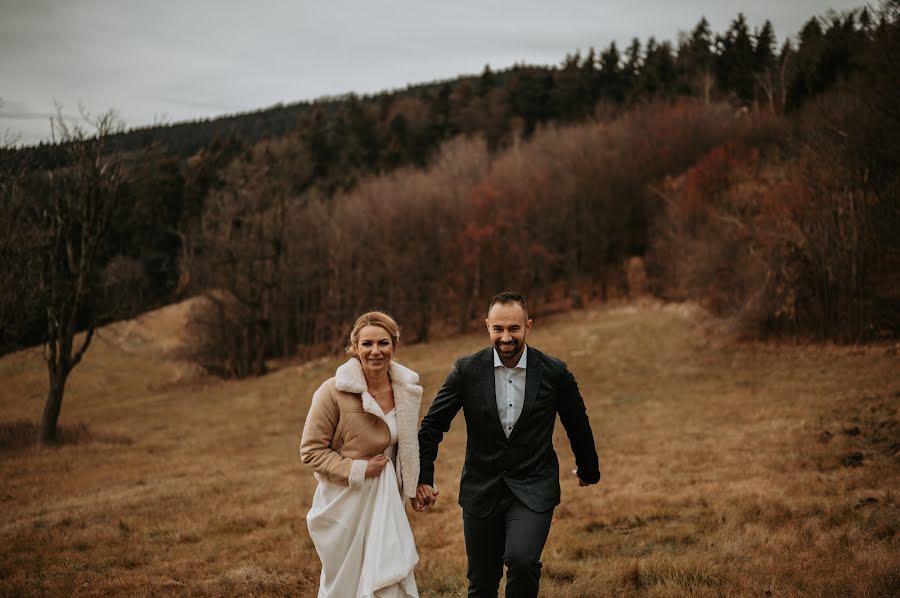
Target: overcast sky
168, 60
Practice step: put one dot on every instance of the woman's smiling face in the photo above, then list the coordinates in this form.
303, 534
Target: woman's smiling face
374, 349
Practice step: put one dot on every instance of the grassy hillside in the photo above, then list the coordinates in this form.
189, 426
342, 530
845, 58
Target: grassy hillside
729, 469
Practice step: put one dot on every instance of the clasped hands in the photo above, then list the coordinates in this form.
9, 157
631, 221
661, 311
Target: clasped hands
426, 495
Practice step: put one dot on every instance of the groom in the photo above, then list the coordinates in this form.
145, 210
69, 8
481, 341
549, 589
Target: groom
510, 395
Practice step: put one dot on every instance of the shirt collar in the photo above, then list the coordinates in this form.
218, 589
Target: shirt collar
522, 360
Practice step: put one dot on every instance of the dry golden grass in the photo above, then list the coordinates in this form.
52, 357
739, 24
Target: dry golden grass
729, 469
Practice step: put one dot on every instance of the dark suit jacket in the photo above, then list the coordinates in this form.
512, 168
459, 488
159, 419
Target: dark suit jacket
526, 461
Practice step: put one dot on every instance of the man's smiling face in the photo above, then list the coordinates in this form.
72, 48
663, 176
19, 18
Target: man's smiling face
508, 325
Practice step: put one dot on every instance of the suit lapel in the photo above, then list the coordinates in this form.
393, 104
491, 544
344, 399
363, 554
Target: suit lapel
533, 372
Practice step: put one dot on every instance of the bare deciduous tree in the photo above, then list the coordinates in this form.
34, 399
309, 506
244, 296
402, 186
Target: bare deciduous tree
75, 219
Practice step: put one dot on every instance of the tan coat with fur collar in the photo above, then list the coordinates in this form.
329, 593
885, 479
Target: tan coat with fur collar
343, 429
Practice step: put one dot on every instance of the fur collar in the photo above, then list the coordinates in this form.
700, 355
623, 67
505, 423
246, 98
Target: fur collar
349, 376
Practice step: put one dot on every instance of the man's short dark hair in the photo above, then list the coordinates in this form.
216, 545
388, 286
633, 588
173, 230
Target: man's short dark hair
508, 297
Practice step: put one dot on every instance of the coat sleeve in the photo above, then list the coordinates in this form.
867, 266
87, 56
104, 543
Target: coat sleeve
574, 418
436, 422
315, 444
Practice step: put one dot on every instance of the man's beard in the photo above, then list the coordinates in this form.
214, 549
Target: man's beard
507, 353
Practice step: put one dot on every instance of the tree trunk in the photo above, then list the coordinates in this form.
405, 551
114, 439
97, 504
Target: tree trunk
49, 431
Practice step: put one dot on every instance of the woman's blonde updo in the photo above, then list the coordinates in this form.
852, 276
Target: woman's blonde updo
373, 318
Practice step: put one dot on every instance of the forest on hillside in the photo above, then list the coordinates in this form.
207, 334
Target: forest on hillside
761, 181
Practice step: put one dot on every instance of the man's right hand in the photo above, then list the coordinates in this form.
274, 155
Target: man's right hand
426, 495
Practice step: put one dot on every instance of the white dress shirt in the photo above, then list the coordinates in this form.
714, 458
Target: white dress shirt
509, 385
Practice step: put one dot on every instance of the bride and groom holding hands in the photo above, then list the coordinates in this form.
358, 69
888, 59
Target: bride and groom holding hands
367, 452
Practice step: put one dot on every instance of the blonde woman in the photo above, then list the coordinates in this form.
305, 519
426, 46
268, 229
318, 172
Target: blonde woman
360, 439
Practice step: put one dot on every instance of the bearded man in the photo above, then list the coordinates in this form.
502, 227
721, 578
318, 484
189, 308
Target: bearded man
510, 394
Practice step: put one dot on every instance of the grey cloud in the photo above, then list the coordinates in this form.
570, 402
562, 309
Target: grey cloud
198, 58
42, 116
207, 106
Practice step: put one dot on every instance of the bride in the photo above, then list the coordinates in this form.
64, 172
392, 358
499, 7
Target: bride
360, 439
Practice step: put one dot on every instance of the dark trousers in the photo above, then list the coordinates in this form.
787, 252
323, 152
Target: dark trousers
513, 535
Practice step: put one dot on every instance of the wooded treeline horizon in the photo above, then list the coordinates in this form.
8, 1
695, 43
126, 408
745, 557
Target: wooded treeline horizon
760, 181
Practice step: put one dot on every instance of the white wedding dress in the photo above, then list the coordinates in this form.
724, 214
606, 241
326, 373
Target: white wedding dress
363, 535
